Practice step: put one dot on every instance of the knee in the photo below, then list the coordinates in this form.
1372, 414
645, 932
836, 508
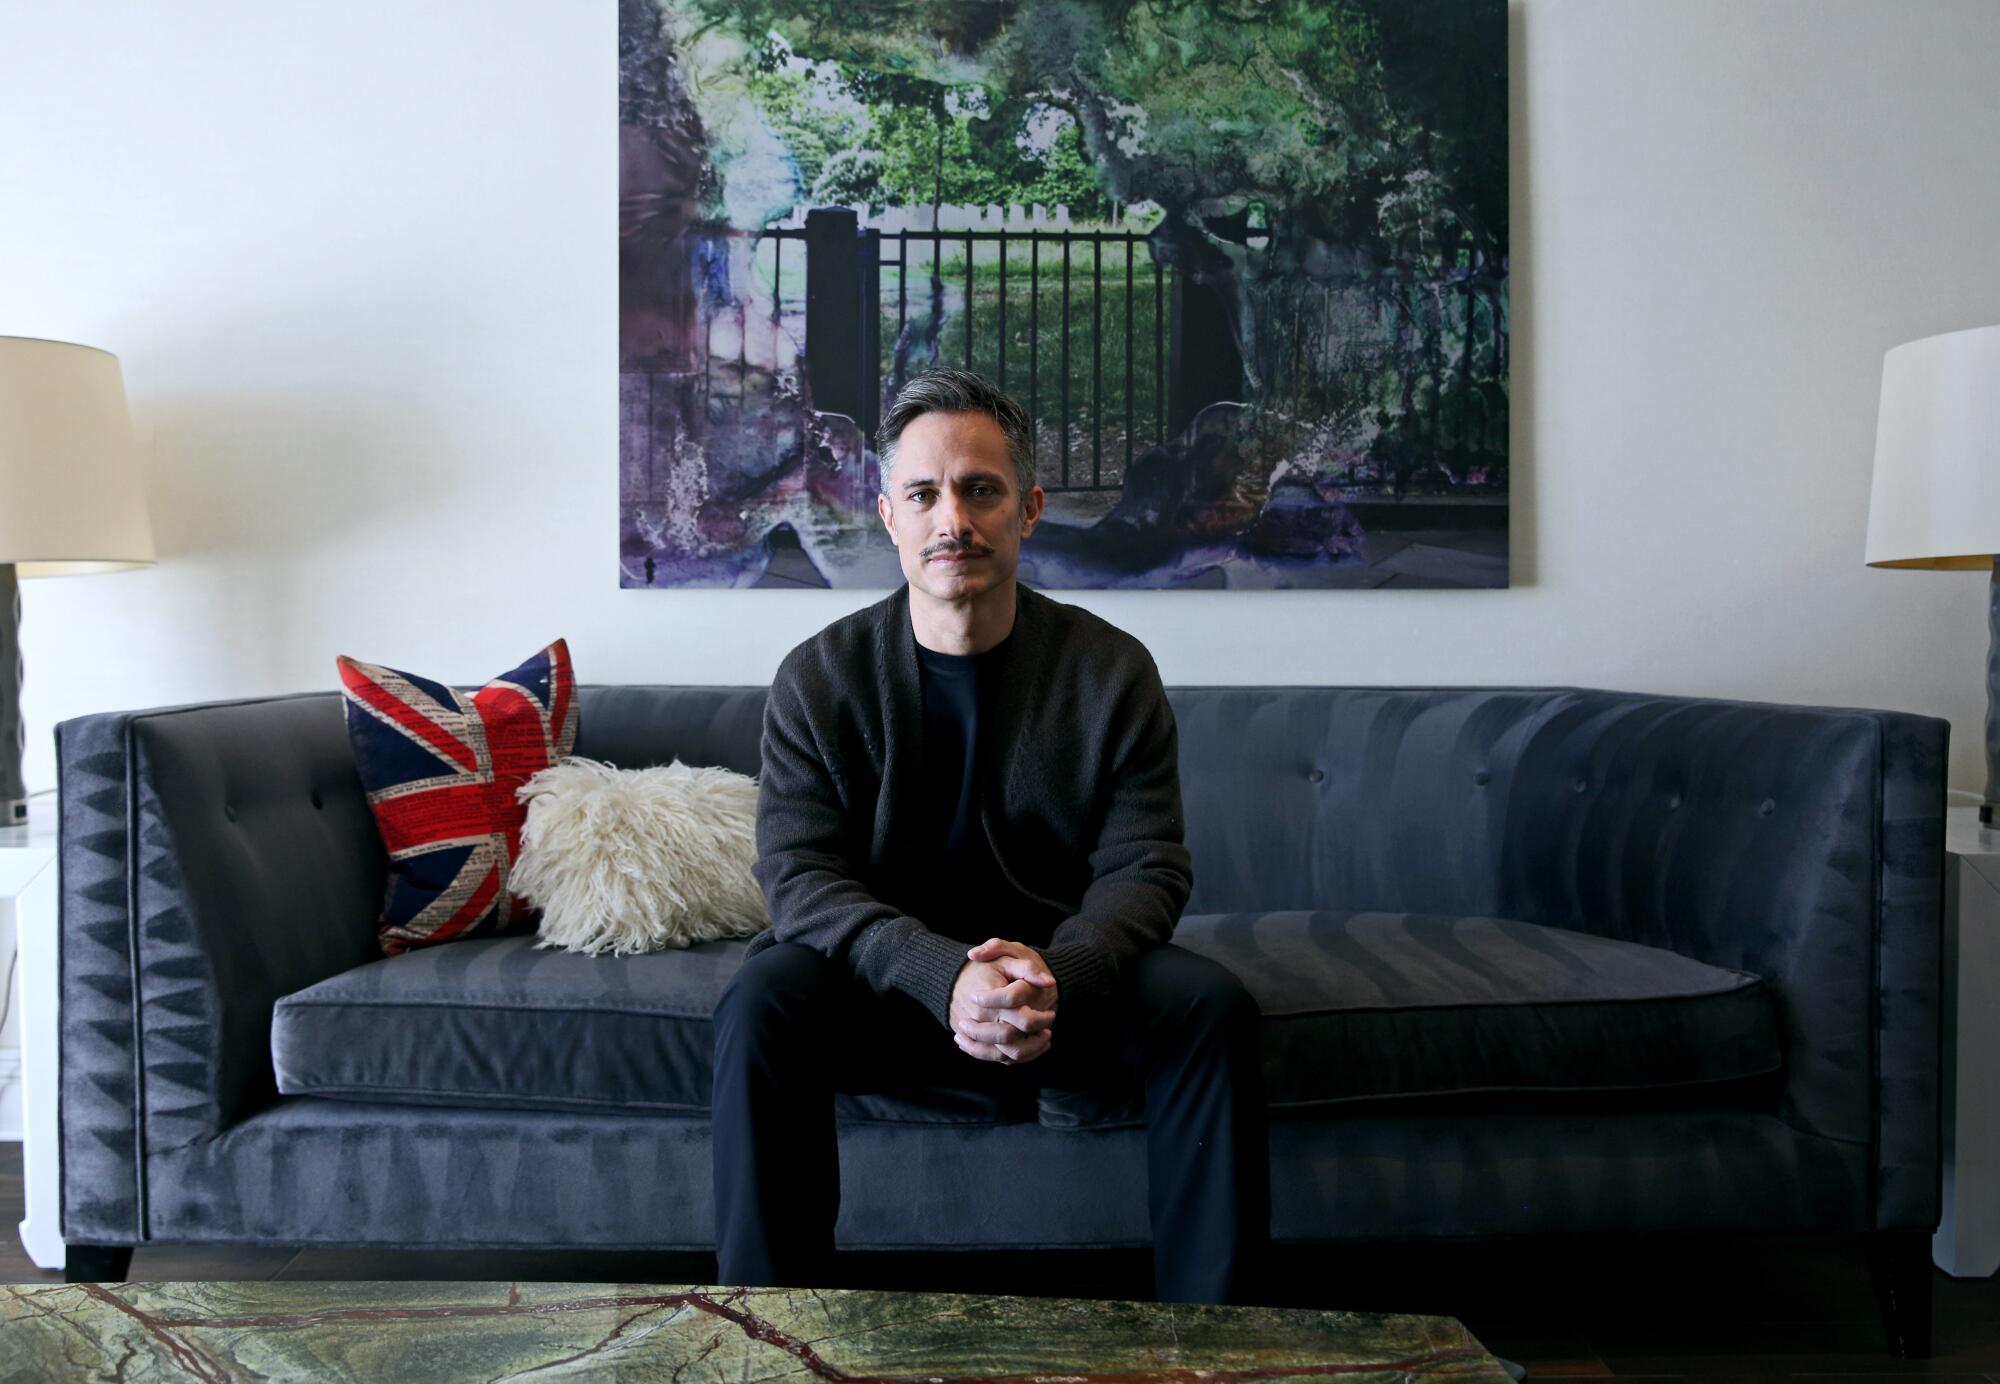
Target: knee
771, 989
1195, 991
1223, 1001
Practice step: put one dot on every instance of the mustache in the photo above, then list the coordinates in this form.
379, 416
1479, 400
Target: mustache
978, 548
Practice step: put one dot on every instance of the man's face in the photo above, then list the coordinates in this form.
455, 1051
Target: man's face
955, 510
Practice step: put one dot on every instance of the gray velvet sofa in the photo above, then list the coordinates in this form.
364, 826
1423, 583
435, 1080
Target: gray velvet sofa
1531, 961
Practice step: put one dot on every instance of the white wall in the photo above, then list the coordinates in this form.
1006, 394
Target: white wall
359, 260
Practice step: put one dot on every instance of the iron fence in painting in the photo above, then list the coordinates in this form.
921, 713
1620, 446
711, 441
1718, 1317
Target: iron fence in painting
862, 309
1067, 248
958, 296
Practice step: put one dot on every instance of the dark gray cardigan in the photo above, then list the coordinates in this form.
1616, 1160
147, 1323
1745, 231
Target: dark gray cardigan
1084, 813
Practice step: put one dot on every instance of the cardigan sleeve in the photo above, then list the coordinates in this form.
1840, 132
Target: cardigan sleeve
805, 866
1141, 872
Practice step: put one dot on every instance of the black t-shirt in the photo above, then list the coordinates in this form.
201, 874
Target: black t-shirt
960, 889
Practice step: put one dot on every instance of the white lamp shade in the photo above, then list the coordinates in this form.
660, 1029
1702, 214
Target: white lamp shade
1936, 500
70, 497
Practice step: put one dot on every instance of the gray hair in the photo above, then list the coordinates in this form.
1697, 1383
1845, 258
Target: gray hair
944, 389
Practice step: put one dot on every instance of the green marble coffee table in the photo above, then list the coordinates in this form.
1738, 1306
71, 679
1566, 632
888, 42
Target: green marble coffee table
497, 1331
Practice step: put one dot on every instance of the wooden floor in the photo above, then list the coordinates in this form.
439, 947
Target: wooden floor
1718, 1309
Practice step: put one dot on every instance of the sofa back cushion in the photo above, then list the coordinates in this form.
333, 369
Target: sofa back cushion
641, 726
1537, 803
1544, 804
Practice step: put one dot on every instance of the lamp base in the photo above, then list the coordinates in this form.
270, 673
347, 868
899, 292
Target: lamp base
1989, 806
13, 792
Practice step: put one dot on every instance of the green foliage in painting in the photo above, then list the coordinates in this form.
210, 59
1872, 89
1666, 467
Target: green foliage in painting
893, 139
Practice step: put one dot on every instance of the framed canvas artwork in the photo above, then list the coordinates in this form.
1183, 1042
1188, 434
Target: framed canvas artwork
1245, 266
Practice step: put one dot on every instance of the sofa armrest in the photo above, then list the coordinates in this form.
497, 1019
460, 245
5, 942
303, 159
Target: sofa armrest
1802, 844
1909, 941
214, 858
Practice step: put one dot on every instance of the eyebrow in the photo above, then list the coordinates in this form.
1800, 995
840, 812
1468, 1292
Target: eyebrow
989, 476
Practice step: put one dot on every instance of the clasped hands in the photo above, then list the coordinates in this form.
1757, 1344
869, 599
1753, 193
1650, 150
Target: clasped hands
1003, 1003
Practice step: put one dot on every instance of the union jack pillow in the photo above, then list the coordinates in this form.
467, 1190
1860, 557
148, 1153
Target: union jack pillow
440, 766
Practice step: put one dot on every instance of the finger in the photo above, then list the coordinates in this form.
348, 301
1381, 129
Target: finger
1027, 995
1026, 968
985, 1052
1003, 1023
985, 1032
1030, 1020
1020, 1020
1011, 995
1027, 1049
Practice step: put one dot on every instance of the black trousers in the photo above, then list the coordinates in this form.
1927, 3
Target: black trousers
793, 1027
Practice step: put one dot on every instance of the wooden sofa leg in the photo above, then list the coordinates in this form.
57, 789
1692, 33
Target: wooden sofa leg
96, 1263
1900, 1263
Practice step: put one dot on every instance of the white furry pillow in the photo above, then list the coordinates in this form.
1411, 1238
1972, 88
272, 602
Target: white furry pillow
635, 860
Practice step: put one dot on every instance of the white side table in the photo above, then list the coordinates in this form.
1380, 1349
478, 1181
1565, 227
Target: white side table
28, 888
1967, 1243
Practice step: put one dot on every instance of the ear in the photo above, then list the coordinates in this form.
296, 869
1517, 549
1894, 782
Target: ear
1031, 510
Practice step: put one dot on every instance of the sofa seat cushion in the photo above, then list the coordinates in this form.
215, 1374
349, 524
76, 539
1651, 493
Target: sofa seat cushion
1367, 1006
495, 1022
1356, 1007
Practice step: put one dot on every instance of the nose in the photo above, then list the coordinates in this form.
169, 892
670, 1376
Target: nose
951, 518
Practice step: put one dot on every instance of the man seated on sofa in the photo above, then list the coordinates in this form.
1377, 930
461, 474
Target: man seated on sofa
970, 762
